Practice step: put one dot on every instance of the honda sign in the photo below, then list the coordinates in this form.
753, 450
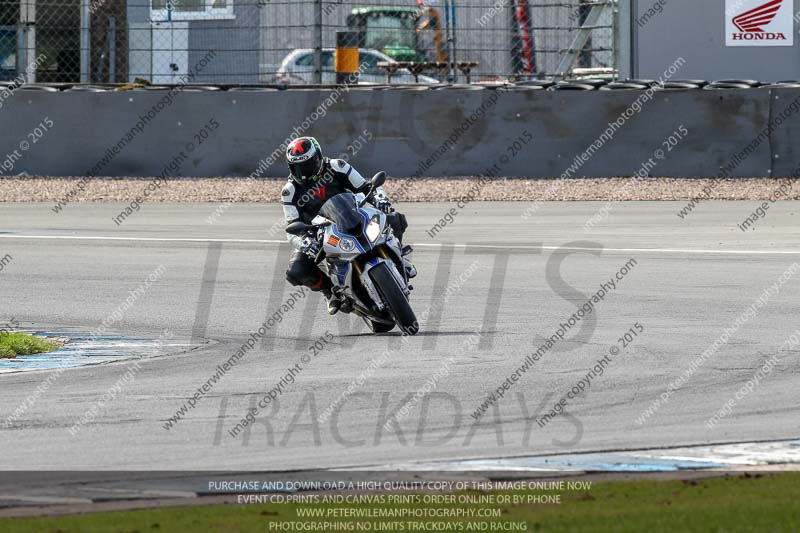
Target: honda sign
759, 23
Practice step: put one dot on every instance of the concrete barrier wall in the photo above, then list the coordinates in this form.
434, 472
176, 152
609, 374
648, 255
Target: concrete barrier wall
406, 132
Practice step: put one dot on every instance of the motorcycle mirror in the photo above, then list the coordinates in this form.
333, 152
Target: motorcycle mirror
296, 228
378, 179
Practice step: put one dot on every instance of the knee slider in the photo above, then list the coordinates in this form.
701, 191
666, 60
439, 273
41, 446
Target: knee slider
292, 279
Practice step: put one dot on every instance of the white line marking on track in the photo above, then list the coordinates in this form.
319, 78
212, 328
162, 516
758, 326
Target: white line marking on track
45, 499
417, 245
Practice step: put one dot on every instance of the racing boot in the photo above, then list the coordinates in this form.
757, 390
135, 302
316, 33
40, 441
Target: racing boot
411, 270
333, 301
347, 305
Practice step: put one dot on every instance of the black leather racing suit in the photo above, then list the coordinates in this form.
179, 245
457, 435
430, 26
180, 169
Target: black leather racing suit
301, 202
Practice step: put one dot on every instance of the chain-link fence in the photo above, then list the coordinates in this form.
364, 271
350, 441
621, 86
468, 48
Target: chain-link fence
274, 41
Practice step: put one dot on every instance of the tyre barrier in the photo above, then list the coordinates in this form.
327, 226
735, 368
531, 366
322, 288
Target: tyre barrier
42, 88
569, 86
749, 83
677, 86
544, 84
726, 86
698, 83
577, 84
623, 86
645, 82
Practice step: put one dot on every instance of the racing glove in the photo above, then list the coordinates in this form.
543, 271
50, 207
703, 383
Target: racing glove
381, 201
310, 247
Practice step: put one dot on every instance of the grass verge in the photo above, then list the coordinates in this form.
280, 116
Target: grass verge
14, 343
729, 504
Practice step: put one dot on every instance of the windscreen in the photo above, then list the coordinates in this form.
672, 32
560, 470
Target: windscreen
344, 213
383, 31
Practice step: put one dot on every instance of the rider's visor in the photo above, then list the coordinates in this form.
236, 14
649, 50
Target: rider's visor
306, 170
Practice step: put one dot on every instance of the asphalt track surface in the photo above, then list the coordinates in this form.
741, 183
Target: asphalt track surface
692, 279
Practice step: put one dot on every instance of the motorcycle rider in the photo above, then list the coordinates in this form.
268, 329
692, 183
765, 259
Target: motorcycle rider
313, 179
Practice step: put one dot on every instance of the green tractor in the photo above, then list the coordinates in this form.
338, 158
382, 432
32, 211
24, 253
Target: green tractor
396, 31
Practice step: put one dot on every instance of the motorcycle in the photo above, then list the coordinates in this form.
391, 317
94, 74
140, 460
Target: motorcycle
363, 259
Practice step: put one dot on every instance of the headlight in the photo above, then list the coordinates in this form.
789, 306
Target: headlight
373, 229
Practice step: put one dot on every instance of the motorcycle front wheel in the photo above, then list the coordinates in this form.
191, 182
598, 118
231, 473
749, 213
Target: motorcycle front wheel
395, 299
378, 327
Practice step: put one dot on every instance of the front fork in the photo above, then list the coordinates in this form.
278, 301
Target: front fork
362, 271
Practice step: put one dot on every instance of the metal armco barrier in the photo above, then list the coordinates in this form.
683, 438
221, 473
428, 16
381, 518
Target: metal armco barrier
444, 132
